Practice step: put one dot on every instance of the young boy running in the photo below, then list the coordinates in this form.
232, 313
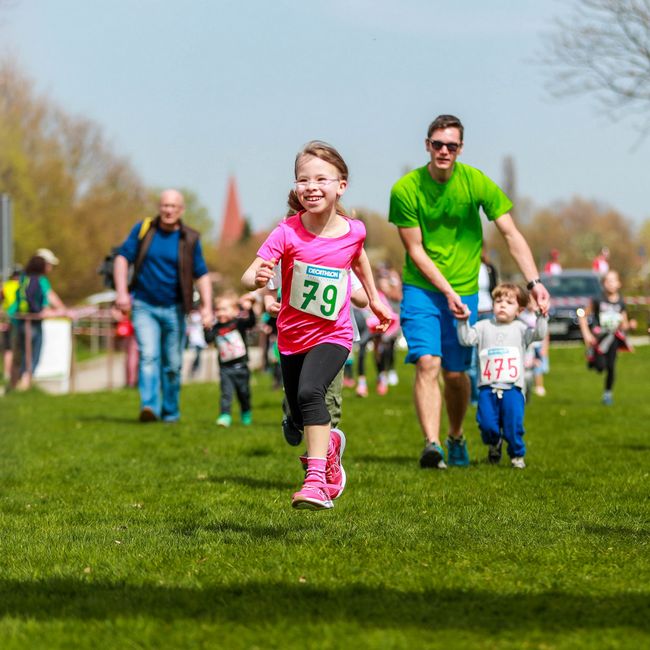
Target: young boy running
502, 341
229, 335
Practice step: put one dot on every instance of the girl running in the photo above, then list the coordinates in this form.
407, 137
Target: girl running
607, 333
317, 247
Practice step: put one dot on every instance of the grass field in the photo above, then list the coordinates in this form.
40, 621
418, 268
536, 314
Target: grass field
120, 535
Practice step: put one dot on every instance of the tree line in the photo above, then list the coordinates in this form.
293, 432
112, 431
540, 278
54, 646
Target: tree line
73, 193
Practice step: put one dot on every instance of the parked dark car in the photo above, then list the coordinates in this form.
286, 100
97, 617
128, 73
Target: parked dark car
569, 291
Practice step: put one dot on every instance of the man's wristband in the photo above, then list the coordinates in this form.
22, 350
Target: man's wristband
532, 283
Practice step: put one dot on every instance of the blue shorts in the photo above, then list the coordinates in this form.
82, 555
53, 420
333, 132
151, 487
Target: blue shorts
430, 329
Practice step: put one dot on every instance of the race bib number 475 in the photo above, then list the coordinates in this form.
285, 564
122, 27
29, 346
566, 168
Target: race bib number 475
318, 290
500, 365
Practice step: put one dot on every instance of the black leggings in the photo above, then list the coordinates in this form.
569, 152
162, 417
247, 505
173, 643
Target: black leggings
306, 377
364, 339
384, 353
607, 362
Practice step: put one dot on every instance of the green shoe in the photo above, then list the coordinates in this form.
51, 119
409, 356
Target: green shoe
457, 455
224, 420
247, 418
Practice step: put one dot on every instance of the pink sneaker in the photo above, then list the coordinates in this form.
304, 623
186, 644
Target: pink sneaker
382, 387
334, 472
348, 382
311, 497
362, 388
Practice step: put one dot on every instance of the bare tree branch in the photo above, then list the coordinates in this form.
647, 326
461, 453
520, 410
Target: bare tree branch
603, 49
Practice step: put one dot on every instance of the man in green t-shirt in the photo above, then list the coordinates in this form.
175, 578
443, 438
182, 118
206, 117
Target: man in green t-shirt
436, 210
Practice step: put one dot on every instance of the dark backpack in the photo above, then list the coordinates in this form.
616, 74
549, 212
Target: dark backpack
106, 267
30, 295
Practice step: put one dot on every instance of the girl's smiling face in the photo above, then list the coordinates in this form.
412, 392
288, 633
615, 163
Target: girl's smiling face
318, 185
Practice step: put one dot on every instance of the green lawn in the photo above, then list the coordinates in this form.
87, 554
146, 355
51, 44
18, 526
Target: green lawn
120, 535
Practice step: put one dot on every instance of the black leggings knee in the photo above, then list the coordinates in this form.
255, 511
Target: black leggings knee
306, 377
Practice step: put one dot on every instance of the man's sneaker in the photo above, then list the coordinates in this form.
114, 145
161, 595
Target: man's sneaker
457, 455
292, 434
393, 379
607, 400
247, 418
147, 415
224, 420
518, 462
494, 452
334, 472
311, 497
433, 456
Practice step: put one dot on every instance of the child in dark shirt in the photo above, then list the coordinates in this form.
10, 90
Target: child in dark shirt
234, 319
607, 334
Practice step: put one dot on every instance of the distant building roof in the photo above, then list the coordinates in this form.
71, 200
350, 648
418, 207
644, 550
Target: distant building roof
232, 225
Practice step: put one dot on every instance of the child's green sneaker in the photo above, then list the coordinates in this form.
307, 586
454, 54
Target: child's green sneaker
247, 418
224, 420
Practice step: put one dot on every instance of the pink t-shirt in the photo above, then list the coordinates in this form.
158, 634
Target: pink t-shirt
322, 283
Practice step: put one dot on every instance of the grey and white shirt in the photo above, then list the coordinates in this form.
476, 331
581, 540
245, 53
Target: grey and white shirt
501, 348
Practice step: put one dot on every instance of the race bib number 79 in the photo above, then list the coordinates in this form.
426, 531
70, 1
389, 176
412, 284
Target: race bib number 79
500, 365
318, 290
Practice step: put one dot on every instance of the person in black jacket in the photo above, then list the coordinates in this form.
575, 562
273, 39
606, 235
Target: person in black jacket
234, 319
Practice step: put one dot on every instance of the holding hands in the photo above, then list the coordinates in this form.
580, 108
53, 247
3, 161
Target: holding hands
457, 307
542, 297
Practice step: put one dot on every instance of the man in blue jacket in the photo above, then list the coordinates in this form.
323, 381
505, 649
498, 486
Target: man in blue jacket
167, 261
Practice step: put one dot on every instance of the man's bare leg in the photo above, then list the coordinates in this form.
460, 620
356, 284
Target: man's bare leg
457, 389
428, 401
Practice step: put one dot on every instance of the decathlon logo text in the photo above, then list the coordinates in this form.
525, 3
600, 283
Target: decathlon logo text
323, 273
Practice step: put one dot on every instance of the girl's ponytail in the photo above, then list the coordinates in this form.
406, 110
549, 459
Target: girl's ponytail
294, 204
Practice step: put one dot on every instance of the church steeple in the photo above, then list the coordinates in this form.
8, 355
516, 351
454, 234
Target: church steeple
232, 225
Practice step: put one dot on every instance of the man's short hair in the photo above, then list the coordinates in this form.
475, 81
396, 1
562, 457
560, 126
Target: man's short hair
446, 122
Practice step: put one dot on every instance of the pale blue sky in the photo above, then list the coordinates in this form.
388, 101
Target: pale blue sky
194, 91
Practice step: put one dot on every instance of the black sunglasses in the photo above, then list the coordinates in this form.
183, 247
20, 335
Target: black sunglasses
452, 147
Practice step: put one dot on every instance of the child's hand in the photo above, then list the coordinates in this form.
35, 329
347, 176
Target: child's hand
465, 315
383, 313
264, 273
456, 306
246, 301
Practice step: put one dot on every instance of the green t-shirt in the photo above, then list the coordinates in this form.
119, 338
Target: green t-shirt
449, 219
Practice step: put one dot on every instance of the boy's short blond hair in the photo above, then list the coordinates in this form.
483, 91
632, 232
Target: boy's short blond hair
230, 297
510, 289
